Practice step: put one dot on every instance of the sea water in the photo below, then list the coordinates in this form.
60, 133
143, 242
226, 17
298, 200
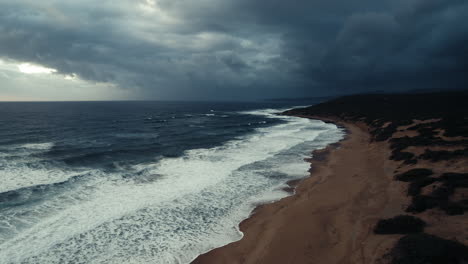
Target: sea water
142, 182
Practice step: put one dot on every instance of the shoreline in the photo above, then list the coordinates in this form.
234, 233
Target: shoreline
395, 191
274, 232
291, 185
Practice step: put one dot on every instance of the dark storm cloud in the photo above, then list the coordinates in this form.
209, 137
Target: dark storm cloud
419, 48
213, 49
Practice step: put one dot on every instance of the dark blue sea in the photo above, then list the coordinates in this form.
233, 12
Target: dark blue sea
142, 182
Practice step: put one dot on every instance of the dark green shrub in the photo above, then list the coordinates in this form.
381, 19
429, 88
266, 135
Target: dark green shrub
428, 249
402, 224
421, 203
414, 174
416, 186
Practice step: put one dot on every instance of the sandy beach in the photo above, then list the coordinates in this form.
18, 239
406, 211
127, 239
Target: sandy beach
331, 217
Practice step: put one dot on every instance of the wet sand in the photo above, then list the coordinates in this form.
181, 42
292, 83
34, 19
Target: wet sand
331, 216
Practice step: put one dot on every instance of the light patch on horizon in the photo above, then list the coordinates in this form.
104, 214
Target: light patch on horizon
35, 69
71, 77
23, 81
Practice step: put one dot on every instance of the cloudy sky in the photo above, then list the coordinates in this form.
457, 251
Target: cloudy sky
228, 49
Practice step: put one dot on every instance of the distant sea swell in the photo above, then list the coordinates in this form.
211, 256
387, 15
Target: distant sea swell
122, 204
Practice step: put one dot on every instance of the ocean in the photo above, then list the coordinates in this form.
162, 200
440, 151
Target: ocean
142, 182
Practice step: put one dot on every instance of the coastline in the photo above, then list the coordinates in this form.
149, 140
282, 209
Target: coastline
394, 191
330, 216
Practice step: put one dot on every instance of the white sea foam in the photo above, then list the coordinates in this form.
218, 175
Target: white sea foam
38, 146
27, 171
27, 148
195, 203
18, 175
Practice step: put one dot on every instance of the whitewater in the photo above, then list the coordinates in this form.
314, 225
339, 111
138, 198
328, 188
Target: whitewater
159, 209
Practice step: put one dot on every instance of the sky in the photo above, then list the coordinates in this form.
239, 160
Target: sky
228, 49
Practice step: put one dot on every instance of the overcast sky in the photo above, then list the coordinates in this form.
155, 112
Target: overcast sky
228, 49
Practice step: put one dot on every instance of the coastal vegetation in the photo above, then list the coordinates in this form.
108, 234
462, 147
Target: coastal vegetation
427, 135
